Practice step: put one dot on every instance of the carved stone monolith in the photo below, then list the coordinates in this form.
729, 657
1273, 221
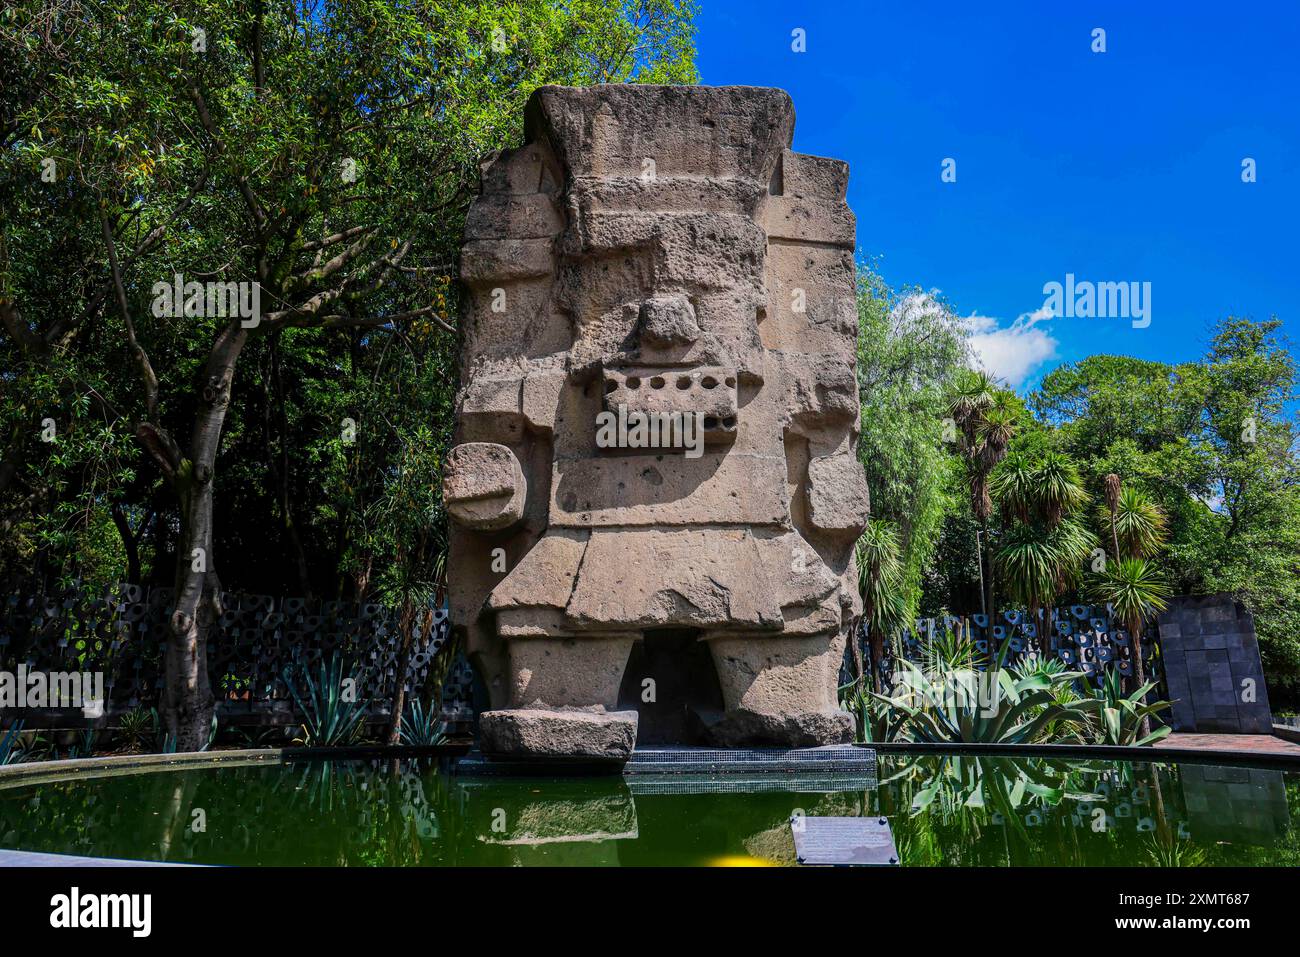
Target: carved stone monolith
655, 491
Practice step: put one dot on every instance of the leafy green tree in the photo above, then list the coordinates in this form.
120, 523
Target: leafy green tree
1213, 443
321, 153
909, 350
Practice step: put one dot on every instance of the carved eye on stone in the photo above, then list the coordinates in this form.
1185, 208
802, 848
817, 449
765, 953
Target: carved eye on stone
731, 382
633, 382
709, 382
657, 382
610, 387
684, 382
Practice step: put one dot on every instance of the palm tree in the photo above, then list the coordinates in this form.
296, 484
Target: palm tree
1045, 551
880, 582
1038, 561
1131, 583
1135, 590
985, 417
1138, 525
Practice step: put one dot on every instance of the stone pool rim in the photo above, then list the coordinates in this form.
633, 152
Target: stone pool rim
74, 769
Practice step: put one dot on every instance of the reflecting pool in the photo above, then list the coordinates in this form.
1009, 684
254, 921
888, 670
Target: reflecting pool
944, 811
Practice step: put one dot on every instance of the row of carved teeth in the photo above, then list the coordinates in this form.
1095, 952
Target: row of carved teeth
684, 382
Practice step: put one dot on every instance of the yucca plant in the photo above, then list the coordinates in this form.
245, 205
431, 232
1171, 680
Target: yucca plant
985, 418
1044, 552
1136, 590
1038, 561
1138, 530
330, 716
976, 707
1123, 719
1138, 524
880, 582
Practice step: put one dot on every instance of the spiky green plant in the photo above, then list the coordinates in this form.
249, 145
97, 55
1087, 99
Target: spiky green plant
976, 707
420, 725
1119, 719
1012, 486
950, 650
134, 729
1140, 526
1138, 531
1038, 561
1135, 589
1058, 489
331, 715
985, 418
880, 582
11, 751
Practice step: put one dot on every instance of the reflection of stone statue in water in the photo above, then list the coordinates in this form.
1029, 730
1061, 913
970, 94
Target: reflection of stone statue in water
658, 249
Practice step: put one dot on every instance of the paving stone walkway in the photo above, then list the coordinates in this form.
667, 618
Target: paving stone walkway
1246, 743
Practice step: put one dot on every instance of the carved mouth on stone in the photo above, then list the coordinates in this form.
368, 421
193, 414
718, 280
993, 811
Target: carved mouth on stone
708, 390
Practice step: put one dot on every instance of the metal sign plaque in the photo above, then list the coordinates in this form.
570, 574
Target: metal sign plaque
844, 841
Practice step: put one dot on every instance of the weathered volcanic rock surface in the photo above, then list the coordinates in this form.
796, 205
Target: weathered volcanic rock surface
657, 253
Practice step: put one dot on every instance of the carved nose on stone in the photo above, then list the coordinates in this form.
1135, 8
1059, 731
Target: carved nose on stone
668, 321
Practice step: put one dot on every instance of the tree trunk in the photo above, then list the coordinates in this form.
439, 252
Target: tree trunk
1139, 671
188, 704
855, 646
129, 543
986, 560
877, 639
406, 625
280, 469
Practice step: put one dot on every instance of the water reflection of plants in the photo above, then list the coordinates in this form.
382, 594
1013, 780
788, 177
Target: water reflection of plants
344, 813
989, 810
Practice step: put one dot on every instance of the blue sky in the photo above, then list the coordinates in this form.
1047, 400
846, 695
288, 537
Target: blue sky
1117, 166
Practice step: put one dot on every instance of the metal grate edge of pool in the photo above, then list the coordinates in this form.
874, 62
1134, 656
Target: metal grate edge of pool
829, 759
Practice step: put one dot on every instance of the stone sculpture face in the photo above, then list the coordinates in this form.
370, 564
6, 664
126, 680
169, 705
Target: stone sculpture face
657, 249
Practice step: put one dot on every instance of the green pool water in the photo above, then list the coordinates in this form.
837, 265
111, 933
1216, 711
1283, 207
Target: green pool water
947, 811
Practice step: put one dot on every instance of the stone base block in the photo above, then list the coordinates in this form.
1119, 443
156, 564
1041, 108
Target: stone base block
808, 729
530, 733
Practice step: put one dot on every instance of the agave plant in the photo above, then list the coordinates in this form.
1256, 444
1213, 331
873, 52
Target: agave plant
1120, 719
330, 715
420, 725
950, 650
967, 706
1006, 785
11, 751
135, 728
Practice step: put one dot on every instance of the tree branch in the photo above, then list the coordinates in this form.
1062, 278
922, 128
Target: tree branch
141, 357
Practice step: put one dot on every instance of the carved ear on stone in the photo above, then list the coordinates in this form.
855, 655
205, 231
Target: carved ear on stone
839, 501
483, 486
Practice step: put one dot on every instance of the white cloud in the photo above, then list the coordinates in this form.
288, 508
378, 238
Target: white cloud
1008, 353
1012, 352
